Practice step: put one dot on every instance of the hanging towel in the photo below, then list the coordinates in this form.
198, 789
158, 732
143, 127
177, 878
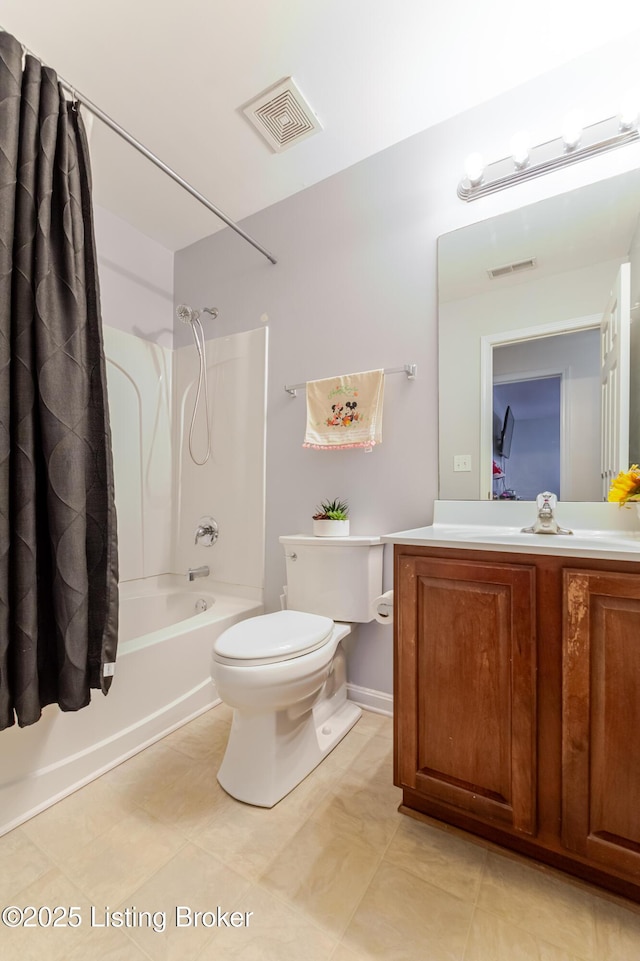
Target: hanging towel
345, 411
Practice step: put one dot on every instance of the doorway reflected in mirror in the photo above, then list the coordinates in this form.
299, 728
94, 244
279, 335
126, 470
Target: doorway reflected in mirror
551, 441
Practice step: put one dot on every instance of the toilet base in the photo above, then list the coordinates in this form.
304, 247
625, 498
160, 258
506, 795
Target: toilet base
269, 754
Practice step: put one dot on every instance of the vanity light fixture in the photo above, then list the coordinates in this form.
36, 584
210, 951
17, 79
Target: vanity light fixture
474, 169
520, 147
572, 128
577, 142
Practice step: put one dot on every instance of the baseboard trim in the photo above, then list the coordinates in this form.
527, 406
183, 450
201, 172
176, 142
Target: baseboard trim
376, 701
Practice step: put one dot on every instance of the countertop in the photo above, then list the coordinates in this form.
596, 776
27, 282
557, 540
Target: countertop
600, 530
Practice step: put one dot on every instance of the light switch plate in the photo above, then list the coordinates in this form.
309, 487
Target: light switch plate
462, 462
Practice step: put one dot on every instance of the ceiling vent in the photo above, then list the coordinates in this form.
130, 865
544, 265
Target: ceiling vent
512, 268
282, 115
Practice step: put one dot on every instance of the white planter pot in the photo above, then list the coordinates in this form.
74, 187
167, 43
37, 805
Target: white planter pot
331, 528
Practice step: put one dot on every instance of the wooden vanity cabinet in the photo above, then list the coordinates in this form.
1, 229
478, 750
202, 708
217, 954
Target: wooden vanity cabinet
601, 718
517, 703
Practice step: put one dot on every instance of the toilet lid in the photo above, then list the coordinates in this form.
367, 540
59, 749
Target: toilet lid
278, 636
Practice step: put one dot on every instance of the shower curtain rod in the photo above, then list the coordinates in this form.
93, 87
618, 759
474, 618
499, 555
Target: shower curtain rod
106, 119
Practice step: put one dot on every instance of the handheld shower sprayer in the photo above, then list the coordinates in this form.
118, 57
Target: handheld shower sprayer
190, 315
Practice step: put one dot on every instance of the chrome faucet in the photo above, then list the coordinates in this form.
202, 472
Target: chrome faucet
207, 532
194, 572
545, 522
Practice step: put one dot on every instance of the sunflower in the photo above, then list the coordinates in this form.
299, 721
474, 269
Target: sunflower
626, 486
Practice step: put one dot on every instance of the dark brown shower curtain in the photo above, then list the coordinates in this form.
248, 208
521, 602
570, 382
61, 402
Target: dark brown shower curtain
58, 555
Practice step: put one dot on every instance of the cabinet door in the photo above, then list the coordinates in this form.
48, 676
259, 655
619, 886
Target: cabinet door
466, 680
601, 718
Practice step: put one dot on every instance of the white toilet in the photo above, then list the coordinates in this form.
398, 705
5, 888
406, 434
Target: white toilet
285, 673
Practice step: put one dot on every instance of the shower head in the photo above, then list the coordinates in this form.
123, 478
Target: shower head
188, 315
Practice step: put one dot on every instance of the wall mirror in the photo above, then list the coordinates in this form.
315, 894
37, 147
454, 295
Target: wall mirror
539, 347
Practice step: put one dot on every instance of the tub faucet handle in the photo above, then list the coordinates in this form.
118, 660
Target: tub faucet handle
206, 532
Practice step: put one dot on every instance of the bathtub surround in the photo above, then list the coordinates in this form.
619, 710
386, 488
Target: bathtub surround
140, 377
58, 567
161, 494
230, 486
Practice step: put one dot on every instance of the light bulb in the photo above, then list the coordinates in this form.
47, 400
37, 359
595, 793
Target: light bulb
520, 146
572, 129
628, 115
474, 168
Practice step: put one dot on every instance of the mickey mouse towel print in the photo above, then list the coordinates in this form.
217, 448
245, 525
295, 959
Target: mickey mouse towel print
345, 411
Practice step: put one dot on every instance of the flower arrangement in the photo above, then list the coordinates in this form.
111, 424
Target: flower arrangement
626, 486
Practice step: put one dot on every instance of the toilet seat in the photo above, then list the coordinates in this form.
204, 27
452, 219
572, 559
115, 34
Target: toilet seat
271, 638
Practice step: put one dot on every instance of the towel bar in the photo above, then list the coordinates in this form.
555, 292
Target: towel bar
408, 369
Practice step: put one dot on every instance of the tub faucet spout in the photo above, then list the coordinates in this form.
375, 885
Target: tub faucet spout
194, 572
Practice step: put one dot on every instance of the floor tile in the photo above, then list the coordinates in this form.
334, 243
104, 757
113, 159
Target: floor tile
540, 902
435, 855
205, 738
345, 953
107, 944
492, 939
344, 754
21, 863
375, 759
361, 807
189, 802
113, 866
371, 723
324, 873
275, 932
143, 774
617, 931
402, 918
308, 796
331, 873
51, 890
193, 881
76, 820
246, 838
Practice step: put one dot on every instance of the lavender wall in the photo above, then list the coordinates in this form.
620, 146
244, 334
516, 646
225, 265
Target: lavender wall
355, 288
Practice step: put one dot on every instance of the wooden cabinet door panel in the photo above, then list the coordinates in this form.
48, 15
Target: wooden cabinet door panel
469, 669
601, 717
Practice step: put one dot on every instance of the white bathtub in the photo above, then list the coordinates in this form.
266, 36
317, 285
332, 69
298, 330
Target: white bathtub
162, 679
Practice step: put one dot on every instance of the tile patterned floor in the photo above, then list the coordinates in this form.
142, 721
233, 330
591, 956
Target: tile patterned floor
332, 873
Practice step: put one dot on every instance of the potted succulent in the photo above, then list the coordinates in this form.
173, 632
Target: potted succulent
331, 519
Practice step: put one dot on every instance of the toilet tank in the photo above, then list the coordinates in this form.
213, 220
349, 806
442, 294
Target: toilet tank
339, 577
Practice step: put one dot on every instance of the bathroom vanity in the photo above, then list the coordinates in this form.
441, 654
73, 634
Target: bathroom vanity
517, 682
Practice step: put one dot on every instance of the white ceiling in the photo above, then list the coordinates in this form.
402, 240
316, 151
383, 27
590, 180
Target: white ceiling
176, 75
